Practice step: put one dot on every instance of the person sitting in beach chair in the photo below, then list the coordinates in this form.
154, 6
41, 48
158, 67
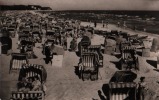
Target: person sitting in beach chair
118, 24
142, 88
129, 63
36, 84
29, 85
73, 44
22, 85
23, 49
65, 43
95, 24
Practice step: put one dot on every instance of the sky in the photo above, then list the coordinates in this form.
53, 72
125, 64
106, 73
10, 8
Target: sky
89, 4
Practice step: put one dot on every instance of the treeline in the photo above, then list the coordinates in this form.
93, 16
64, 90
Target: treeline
23, 7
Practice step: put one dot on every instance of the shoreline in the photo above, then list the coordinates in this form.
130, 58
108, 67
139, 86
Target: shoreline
114, 27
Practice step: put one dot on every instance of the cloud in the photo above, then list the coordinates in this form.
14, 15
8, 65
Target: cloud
91, 4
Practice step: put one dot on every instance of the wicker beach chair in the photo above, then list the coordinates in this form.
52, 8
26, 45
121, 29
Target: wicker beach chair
129, 59
122, 86
89, 66
28, 71
96, 49
17, 61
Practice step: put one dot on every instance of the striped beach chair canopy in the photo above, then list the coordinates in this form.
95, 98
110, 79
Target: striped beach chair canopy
36, 32
89, 61
17, 61
125, 43
122, 86
31, 70
92, 48
26, 42
50, 32
85, 41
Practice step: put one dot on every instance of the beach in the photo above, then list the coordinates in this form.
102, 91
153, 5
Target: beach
63, 83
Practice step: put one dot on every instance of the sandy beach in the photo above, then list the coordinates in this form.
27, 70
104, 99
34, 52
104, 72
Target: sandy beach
63, 83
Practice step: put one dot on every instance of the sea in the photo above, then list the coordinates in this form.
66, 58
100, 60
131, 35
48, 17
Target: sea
147, 21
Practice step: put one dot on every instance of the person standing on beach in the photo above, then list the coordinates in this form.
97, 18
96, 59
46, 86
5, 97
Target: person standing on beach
107, 24
65, 43
135, 60
95, 24
103, 23
47, 53
142, 88
124, 24
118, 24
90, 24
0, 48
135, 28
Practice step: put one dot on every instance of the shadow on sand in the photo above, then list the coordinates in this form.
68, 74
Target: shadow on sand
78, 53
47, 60
152, 63
77, 71
117, 56
117, 64
139, 53
105, 89
102, 97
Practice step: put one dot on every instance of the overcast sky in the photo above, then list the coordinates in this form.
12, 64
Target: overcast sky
90, 4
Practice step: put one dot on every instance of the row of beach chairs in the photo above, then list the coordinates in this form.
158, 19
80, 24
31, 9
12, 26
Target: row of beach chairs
20, 62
